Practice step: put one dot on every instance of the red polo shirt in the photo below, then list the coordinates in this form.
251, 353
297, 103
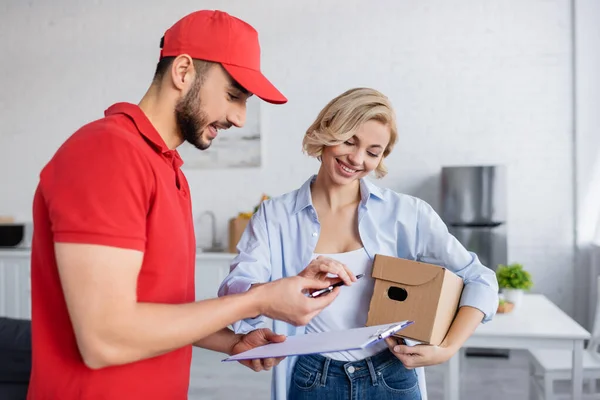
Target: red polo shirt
114, 183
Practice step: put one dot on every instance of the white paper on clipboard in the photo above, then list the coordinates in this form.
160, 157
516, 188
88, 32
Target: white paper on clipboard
324, 342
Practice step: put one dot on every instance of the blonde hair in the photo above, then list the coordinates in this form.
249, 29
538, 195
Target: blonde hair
343, 115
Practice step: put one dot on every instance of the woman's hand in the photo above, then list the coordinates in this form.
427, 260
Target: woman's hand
420, 355
466, 321
321, 267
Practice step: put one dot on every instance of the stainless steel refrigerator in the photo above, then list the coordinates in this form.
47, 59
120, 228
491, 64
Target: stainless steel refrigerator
474, 209
473, 206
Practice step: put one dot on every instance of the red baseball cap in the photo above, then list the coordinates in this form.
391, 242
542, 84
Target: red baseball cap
219, 37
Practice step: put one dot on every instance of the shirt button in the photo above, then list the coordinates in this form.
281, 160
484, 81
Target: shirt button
351, 369
315, 234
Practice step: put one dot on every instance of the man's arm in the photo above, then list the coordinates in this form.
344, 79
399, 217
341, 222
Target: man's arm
112, 328
222, 341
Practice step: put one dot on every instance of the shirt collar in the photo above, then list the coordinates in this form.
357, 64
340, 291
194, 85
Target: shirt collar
146, 129
368, 189
304, 198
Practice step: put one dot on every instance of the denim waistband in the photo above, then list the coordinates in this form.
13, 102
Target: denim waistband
369, 366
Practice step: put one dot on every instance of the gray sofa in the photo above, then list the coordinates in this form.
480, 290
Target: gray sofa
15, 358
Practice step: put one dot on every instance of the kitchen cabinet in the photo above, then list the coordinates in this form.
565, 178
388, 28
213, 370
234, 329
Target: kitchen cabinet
15, 283
211, 269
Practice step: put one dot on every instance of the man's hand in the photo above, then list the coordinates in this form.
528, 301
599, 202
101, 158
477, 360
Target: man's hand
420, 355
320, 267
286, 299
254, 339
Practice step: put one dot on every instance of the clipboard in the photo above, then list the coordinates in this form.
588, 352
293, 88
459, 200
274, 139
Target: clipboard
324, 342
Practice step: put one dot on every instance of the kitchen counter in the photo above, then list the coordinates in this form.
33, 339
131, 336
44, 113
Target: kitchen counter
200, 256
14, 253
15, 298
214, 256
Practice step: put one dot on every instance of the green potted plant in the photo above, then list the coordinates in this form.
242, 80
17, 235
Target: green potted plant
513, 280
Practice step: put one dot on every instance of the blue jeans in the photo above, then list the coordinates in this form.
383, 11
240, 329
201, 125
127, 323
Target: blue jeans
380, 377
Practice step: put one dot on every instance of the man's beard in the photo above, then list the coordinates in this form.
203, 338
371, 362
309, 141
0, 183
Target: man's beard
191, 119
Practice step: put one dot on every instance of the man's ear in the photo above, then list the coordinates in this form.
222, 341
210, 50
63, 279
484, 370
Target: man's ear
182, 71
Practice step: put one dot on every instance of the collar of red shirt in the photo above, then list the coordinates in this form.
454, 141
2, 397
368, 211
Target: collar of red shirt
146, 129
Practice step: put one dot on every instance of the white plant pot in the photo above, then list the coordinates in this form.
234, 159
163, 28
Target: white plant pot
513, 296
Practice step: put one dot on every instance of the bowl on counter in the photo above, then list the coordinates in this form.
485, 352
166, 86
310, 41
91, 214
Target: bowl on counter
11, 235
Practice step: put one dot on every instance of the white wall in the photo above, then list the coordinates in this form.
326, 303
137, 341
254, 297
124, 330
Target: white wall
473, 82
587, 42
587, 100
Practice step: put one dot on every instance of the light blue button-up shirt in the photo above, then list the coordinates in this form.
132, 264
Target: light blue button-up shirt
282, 235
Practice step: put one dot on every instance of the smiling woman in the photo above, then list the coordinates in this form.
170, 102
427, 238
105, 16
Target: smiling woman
333, 226
358, 113
357, 156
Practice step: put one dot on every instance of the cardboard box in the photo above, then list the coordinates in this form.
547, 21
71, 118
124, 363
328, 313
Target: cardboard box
417, 291
236, 229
